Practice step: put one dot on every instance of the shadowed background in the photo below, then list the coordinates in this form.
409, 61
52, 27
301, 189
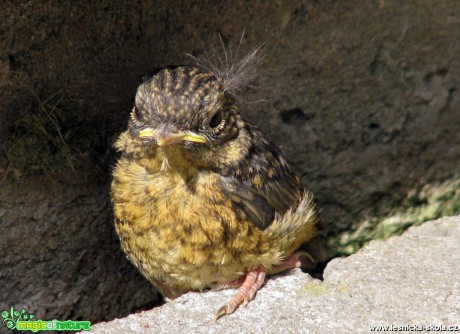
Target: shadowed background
363, 96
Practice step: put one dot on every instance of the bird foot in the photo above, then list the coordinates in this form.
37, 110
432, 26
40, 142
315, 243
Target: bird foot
299, 259
253, 281
229, 285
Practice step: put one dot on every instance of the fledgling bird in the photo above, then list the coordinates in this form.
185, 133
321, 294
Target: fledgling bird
203, 199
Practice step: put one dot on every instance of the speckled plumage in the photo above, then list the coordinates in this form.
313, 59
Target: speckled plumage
200, 196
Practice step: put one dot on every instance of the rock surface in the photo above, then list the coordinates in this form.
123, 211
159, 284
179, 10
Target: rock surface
363, 95
54, 269
406, 280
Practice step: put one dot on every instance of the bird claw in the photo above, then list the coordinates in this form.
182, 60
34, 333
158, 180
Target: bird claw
224, 310
253, 281
304, 257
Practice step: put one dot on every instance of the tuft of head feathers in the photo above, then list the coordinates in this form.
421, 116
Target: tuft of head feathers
238, 73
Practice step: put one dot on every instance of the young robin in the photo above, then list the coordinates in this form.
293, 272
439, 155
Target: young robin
203, 199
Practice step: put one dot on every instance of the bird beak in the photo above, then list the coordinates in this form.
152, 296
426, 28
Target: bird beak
165, 136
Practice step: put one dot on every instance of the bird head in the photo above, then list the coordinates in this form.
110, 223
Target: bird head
184, 111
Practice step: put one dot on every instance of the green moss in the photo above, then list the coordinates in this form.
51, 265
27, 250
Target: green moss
315, 289
342, 288
52, 136
431, 202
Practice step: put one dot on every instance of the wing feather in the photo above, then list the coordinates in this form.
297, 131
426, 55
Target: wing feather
263, 183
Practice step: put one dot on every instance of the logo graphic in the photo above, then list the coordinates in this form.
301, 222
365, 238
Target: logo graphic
11, 319
22, 321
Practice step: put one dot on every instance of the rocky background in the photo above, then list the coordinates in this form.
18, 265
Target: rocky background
363, 95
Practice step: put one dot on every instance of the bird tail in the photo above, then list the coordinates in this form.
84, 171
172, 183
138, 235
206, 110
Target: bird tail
297, 229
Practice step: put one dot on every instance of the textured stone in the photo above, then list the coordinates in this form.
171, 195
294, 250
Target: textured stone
50, 264
405, 280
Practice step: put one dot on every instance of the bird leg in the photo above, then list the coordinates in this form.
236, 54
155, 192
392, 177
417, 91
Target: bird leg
233, 284
253, 281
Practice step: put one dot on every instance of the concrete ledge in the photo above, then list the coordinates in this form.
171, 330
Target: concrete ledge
404, 281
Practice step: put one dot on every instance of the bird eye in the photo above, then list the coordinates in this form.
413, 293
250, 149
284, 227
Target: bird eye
215, 120
136, 114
